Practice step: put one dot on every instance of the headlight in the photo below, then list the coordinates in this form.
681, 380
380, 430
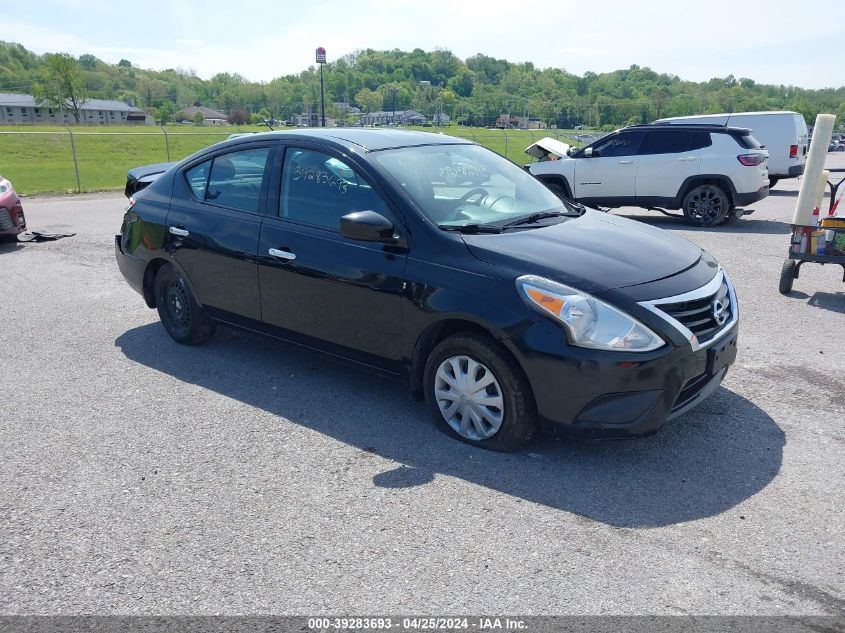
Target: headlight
589, 322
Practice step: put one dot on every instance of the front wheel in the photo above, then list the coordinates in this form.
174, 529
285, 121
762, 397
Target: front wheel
478, 393
180, 314
706, 205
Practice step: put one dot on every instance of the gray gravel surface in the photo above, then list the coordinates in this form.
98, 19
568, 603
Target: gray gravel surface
249, 476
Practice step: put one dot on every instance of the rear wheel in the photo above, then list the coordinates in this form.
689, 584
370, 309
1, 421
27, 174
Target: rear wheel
706, 205
478, 393
180, 314
787, 275
773, 181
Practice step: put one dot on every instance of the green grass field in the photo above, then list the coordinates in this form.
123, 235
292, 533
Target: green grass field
39, 159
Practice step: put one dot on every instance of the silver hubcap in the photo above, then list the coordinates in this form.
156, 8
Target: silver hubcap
469, 398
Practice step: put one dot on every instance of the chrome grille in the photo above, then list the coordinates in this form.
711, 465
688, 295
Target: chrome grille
5, 220
702, 315
699, 315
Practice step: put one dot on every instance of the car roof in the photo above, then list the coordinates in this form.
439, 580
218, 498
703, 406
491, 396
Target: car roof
370, 140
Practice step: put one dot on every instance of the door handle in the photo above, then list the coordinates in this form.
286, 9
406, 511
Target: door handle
626, 162
685, 158
179, 232
287, 255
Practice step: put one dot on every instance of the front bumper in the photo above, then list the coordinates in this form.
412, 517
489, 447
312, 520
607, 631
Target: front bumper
630, 394
12, 220
613, 394
742, 199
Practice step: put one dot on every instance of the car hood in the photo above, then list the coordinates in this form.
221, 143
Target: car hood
594, 253
547, 146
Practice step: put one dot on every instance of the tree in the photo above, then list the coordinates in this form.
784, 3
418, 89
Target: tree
461, 83
165, 112
62, 85
370, 100
124, 63
659, 98
238, 116
88, 62
199, 118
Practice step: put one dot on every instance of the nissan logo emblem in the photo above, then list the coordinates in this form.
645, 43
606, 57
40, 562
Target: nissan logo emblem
720, 311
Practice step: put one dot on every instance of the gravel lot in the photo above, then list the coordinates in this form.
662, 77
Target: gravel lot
249, 476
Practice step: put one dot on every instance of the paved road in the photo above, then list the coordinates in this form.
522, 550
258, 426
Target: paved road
250, 476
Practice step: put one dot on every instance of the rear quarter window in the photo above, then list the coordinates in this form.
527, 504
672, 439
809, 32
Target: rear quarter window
748, 141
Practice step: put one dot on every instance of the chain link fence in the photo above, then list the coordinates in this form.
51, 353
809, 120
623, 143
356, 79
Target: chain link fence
74, 160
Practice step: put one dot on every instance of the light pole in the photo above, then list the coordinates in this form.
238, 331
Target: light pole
321, 59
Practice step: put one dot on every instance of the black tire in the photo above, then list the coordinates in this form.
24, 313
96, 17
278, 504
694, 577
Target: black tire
180, 314
773, 181
519, 421
787, 275
706, 205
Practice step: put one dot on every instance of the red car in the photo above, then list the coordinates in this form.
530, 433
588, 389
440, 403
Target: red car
12, 220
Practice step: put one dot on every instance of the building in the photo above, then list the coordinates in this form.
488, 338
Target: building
345, 108
519, 122
311, 119
23, 109
393, 117
210, 117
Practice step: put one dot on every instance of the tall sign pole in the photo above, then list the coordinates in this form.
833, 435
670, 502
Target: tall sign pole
321, 59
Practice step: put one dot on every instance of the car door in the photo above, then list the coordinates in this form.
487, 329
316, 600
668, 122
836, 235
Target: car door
667, 158
319, 287
609, 174
213, 228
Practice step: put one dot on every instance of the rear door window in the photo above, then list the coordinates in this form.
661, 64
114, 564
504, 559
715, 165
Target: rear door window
667, 142
231, 180
700, 140
197, 178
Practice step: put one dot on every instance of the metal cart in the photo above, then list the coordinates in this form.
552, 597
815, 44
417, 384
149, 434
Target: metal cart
818, 244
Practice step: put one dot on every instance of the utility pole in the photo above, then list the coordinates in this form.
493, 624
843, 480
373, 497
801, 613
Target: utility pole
321, 59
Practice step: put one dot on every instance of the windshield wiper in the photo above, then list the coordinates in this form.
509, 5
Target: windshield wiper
535, 217
471, 228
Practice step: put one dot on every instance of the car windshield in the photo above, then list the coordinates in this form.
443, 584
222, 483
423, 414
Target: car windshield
464, 185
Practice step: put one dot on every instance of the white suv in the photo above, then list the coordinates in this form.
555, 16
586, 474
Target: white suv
708, 171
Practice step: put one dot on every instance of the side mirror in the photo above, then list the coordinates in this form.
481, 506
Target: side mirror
588, 152
367, 226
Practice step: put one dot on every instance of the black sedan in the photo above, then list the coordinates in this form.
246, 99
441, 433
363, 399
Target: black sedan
428, 257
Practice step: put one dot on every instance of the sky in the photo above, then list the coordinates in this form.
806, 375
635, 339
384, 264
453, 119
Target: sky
777, 42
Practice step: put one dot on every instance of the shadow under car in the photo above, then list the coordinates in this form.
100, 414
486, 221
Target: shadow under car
701, 464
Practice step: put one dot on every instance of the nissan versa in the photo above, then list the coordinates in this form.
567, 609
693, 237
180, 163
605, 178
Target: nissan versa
508, 309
